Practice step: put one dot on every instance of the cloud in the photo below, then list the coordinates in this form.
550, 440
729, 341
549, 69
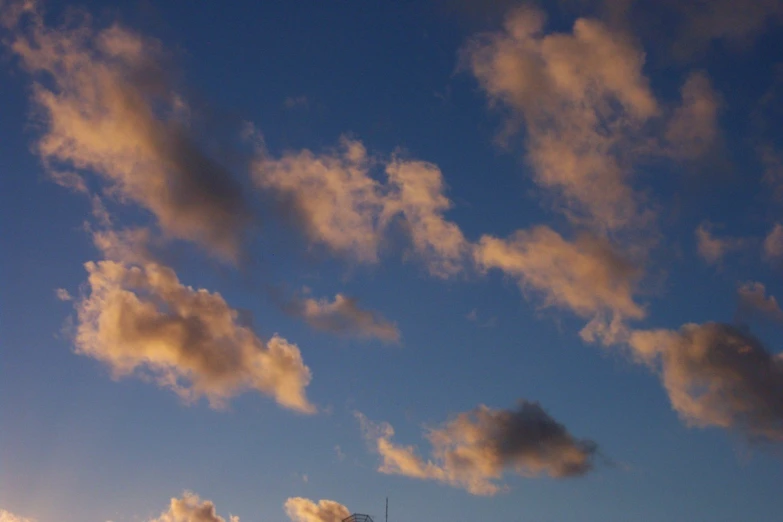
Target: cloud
582, 97
296, 102
417, 193
693, 128
342, 207
137, 318
474, 449
7, 516
773, 243
301, 509
337, 202
587, 276
107, 105
754, 301
343, 316
738, 23
190, 508
713, 249
63, 294
717, 375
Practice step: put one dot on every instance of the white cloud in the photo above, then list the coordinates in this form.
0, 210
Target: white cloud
63, 294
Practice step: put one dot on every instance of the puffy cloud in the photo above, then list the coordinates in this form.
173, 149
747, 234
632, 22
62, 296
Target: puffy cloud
582, 97
341, 206
107, 105
136, 317
713, 249
343, 316
7, 516
301, 509
773, 243
693, 127
337, 202
718, 375
63, 294
190, 508
586, 276
753, 300
475, 448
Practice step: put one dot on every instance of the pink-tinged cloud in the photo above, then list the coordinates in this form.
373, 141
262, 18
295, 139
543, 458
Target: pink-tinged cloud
586, 276
136, 317
301, 509
190, 508
340, 205
473, 450
717, 375
754, 301
106, 104
7, 516
342, 316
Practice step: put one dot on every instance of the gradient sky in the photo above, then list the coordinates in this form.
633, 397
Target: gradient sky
488, 259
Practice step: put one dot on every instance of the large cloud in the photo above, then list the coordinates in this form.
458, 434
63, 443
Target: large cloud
342, 206
474, 449
718, 375
589, 113
586, 276
581, 96
7, 516
342, 316
137, 317
190, 508
107, 105
301, 509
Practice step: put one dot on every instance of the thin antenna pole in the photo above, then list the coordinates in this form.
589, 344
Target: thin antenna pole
387, 509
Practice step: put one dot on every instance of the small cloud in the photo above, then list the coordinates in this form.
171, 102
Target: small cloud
773, 244
754, 301
712, 248
190, 508
472, 315
343, 316
296, 102
339, 452
63, 294
301, 509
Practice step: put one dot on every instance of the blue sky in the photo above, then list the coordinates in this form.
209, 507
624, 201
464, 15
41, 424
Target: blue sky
285, 260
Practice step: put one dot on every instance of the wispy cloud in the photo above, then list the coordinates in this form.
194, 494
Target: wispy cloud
586, 276
712, 248
340, 205
342, 316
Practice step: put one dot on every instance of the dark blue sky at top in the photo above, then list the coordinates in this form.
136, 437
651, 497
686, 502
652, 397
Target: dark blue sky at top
76, 445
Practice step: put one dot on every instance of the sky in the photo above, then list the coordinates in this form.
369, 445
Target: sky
281, 261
